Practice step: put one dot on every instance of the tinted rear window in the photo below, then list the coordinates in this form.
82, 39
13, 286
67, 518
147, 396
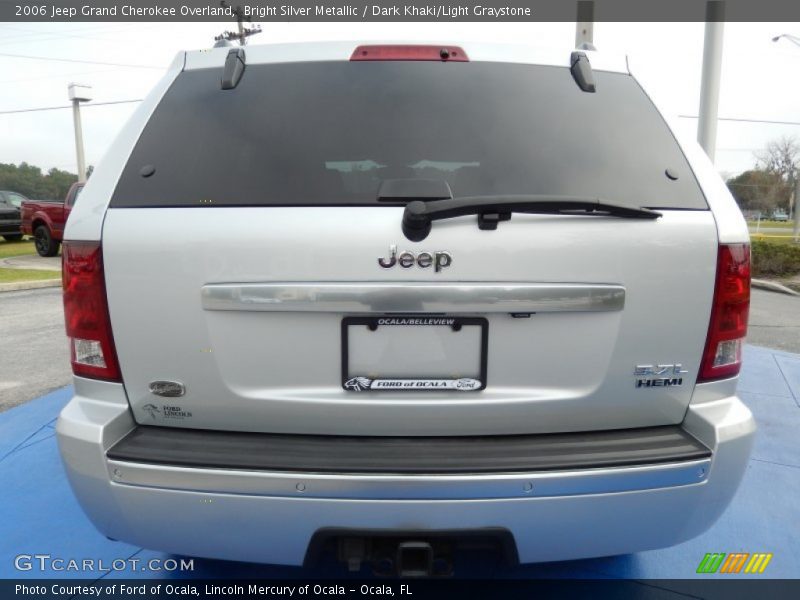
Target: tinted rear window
328, 133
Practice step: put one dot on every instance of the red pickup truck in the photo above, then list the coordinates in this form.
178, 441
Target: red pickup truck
45, 220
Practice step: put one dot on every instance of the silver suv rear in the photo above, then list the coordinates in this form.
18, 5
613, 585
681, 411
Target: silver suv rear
340, 292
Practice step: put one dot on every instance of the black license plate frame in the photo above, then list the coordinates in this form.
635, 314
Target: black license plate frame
361, 383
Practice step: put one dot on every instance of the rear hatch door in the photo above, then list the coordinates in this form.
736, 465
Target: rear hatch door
257, 268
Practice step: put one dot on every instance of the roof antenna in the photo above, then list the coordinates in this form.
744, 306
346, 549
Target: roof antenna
243, 33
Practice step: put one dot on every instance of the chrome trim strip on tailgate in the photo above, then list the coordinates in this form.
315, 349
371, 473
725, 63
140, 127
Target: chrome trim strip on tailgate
414, 297
406, 487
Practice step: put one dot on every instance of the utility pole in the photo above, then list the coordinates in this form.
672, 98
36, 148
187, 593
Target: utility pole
796, 229
709, 85
79, 93
243, 32
584, 25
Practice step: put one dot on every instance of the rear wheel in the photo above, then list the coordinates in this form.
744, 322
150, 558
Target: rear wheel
12, 237
45, 244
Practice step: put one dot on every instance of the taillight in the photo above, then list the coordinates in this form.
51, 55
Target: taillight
728, 326
86, 312
395, 52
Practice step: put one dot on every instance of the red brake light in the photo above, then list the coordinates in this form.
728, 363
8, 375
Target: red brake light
86, 312
441, 53
728, 326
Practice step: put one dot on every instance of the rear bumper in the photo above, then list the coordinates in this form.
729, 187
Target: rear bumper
272, 516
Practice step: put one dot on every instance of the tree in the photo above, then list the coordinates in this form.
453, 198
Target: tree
759, 190
30, 181
782, 158
58, 183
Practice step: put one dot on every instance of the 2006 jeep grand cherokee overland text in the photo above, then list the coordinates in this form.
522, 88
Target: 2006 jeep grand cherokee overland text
397, 297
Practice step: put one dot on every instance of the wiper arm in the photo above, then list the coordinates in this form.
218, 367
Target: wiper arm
418, 215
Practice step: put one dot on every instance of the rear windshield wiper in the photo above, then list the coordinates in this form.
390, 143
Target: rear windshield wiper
418, 215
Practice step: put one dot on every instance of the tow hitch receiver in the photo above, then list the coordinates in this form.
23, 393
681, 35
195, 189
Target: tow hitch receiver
414, 559
392, 557
412, 553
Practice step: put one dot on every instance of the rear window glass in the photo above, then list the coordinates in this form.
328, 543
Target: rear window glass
329, 133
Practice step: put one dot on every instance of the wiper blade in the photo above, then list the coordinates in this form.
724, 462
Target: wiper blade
418, 216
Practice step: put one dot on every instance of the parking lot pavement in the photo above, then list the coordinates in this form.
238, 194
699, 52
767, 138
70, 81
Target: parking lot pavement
774, 321
40, 515
34, 346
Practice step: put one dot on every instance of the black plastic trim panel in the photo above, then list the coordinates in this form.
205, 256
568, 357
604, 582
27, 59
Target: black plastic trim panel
499, 537
407, 455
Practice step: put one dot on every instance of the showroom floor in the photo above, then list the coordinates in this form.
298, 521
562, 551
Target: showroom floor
40, 516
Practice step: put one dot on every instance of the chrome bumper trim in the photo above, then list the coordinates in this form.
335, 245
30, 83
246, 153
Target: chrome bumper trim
397, 487
414, 297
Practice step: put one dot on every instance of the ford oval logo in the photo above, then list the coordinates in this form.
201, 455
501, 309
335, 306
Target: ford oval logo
167, 389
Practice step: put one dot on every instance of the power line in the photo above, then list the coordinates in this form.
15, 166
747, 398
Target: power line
37, 36
25, 110
16, 27
59, 76
88, 62
743, 120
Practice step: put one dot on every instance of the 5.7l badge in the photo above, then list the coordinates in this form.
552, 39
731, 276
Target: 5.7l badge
666, 375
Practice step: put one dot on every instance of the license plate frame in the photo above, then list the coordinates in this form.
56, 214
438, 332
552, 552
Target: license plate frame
361, 383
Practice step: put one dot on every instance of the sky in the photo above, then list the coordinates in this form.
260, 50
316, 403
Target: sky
759, 78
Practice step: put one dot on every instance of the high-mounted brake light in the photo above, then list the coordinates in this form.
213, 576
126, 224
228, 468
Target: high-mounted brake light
440, 53
728, 326
86, 312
